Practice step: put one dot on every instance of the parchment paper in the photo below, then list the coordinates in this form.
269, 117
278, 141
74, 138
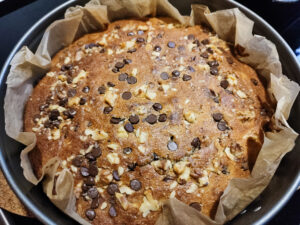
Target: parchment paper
230, 25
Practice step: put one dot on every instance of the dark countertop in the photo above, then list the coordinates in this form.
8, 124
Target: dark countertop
16, 17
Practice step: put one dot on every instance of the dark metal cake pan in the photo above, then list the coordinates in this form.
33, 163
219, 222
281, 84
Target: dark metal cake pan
278, 192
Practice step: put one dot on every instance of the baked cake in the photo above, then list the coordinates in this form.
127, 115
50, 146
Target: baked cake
145, 111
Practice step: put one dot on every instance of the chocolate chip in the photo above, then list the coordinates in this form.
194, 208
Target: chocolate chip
214, 71
107, 109
112, 188
196, 205
110, 84
140, 40
186, 77
151, 119
132, 50
171, 44
155, 156
63, 101
176, 73
164, 76
84, 171
217, 116
119, 65
140, 32
168, 177
191, 69
85, 187
115, 120
126, 95
71, 92
116, 175
191, 37
66, 67
91, 45
115, 70
131, 80
127, 150
127, 61
229, 60
135, 185
101, 90
70, 113
43, 107
204, 55
77, 161
224, 84
82, 101
90, 214
130, 34
196, 143
157, 48
222, 126
197, 42
90, 181
69, 79
56, 123
172, 146
205, 42
95, 203
162, 117
128, 127
255, 82
102, 50
132, 166
123, 76
112, 211
157, 106
213, 63
92, 192
96, 151
54, 114
209, 50
89, 156
134, 119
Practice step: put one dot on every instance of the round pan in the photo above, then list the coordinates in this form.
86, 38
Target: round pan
278, 192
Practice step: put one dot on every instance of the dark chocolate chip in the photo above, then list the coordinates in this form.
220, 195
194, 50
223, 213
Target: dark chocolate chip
196, 143
213, 63
140, 40
89, 156
107, 109
82, 101
112, 211
229, 60
96, 151
115, 120
224, 84
95, 203
84, 171
69, 79
209, 50
222, 126
191, 69
127, 150
102, 50
85, 187
90, 214
132, 166
70, 113
155, 156
54, 114
157, 48
66, 67
168, 177
186, 77
162, 117
164, 76
205, 41
63, 101
176, 73
196, 205
43, 107
191, 37
132, 50
116, 175
172, 146
214, 71
119, 65
197, 42
151, 119
171, 44
255, 82
140, 32
204, 55
71, 92
93, 170
217, 116
101, 90
92, 192
126, 95
127, 61
157, 106
115, 70
134, 119
130, 34
56, 123
77, 161
110, 84
135, 185
90, 181
123, 76
131, 80
128, 127
112, 188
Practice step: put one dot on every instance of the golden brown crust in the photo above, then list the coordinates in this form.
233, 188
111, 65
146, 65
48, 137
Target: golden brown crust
215, 108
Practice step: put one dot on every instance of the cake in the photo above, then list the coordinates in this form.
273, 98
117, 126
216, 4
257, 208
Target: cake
145, 111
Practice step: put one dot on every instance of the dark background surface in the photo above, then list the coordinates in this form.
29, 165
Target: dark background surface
17, 16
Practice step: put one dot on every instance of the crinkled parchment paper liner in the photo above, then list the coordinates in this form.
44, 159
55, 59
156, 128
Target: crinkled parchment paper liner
231, 25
